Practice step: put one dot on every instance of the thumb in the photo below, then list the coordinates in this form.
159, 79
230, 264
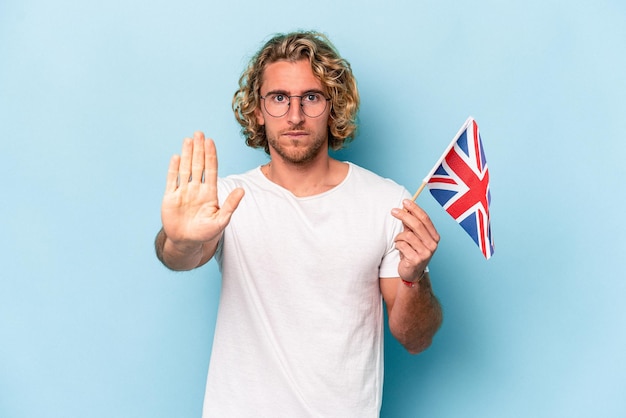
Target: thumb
232, 202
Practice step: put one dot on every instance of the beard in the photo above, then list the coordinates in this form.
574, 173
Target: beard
298, 153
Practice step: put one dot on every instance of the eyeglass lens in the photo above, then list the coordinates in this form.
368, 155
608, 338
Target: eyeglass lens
312, 104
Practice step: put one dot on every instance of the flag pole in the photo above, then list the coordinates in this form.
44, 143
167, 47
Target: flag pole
417, 193
438, 163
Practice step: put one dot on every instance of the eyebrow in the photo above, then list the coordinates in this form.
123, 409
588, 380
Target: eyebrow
286, 93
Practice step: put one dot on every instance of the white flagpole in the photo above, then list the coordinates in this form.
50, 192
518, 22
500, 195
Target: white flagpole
438, 163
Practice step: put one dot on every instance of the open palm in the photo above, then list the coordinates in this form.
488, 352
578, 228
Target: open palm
190, 211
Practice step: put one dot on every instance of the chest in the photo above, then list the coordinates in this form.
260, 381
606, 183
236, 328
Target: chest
309, 233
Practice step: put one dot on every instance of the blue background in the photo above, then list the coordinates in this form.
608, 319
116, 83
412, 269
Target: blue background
95, 96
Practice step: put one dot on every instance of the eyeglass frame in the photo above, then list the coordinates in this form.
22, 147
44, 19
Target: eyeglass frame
301, 103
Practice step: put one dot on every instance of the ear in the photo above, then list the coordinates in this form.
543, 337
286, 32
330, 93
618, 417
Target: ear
260, 119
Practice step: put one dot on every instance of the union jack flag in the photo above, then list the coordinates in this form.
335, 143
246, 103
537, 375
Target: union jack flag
460, 183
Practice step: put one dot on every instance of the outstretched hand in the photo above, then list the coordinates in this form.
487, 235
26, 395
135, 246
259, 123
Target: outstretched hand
190, 211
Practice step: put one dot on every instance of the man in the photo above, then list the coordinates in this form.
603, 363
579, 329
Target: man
308, 246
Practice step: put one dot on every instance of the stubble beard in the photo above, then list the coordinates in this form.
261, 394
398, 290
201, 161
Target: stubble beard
299, 155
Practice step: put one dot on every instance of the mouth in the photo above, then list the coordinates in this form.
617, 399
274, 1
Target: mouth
295, 134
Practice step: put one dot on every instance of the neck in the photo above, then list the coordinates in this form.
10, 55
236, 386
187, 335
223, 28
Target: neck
306, 179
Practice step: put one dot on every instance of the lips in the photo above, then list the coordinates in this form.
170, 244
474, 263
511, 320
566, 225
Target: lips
295, 134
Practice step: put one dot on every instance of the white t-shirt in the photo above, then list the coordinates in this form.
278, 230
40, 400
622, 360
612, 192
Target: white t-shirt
299, 331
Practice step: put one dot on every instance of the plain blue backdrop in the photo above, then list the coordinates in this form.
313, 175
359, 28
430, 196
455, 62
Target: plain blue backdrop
95, 96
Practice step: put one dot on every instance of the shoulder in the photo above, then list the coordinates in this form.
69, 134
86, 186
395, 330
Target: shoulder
366, 188
240, 180
249, 181
374, 182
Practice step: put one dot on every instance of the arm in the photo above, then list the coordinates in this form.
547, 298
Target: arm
193, 221
414, 312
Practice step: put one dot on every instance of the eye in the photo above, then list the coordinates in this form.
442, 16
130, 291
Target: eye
312, 97
279, 98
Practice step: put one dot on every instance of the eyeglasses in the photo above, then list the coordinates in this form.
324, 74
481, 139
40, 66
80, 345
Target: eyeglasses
313, 104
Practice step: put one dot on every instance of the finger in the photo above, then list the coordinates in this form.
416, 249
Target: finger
184, 171
415, 233
210, 164
232, 201
414, 253
197, 159
172, 174
422, 217
230, 205
411, 257
420, 243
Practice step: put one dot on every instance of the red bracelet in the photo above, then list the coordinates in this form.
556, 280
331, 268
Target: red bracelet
415, 283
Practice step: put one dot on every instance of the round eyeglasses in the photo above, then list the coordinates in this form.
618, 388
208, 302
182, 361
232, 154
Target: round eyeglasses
313, 104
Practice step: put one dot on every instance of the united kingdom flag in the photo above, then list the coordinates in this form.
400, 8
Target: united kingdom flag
460, 183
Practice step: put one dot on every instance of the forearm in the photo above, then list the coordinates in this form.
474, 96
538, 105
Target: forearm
415, 315
183, 256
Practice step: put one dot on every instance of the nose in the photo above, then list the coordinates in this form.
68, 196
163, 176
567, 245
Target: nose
295, 114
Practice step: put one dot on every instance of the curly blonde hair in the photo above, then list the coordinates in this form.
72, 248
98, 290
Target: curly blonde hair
333, 71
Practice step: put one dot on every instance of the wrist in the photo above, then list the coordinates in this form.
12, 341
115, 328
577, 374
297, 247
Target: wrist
180, 255
184, 247
414, 283
178, 246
